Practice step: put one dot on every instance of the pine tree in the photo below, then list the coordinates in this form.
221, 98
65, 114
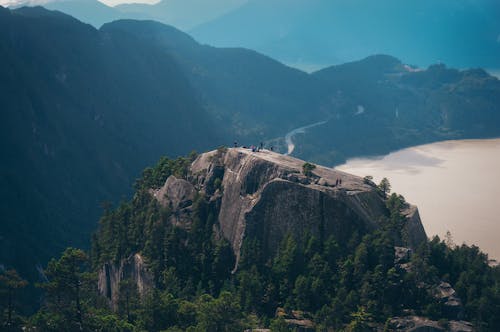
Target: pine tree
10, 283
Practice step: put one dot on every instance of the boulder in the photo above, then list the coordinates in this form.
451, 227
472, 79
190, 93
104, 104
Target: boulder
401, 255
176, 193
452, 304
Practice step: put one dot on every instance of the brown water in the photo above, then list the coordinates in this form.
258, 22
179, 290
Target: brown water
455, 184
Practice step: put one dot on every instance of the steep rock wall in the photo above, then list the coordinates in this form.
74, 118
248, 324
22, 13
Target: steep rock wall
265, 195
132, 268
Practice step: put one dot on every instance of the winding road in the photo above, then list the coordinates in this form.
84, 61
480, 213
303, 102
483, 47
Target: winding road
301, 130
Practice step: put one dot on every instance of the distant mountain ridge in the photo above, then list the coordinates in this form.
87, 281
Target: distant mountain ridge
184, 14
372, 106
313, 34
460, 33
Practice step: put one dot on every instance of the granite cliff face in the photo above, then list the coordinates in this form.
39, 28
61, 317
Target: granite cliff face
265, 195
132, 268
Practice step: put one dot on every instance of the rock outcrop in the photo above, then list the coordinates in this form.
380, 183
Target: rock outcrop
265, 195
451, 302
132, 268
178, 195
421, 324
413, 229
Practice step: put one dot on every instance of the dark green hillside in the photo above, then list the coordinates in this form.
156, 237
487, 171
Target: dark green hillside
253, 95
82, 112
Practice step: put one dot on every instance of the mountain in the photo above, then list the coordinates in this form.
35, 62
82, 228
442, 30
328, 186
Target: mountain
319, 33
83, 112
313, 34
235, 239
382, 97
366, 107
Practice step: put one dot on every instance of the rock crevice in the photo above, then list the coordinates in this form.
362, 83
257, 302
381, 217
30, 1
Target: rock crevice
133, 269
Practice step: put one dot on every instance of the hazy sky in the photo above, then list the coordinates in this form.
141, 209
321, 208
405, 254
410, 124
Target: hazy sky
15, 3
118, 2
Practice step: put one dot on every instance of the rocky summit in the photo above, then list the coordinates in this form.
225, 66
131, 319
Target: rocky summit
266, 195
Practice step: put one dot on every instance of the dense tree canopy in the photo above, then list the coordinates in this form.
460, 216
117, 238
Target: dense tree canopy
354, 285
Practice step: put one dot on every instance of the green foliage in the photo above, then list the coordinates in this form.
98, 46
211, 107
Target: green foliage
385, 186
476, 282
67, 290
221, 314
368, 179
359, 322
307, 169
155, 177
10, 284
279, 325
347, 282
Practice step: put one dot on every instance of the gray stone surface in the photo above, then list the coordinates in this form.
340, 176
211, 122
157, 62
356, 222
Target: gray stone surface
422, 324
176, 193
452, 304
266, 195
133, 268
413, 228
402, 255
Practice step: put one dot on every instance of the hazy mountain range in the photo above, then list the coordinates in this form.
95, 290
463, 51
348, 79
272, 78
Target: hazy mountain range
312, 34
178, 13
461, 33
85, 110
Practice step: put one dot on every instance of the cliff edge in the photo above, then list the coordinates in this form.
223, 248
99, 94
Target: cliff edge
266, 195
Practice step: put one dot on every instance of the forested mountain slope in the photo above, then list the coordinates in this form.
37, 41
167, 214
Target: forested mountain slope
82, 113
